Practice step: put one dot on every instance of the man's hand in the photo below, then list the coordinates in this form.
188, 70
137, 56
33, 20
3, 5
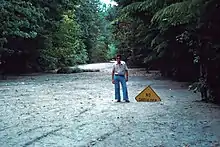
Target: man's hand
113, 81
126, 75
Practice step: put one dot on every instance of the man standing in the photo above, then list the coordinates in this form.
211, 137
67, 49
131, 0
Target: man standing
120, 75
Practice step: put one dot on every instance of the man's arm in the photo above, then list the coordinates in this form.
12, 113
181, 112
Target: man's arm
126, 75
126, 72
113, 73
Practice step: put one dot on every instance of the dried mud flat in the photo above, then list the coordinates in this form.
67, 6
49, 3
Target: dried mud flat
76, 110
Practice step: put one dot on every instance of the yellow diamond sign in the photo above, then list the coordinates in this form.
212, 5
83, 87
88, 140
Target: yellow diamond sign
147, 95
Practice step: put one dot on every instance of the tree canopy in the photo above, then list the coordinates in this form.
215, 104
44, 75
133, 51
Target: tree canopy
37, 35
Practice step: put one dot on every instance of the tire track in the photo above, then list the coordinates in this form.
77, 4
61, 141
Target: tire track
41, 137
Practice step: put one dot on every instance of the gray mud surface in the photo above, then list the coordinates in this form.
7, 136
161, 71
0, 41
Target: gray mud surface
76, 110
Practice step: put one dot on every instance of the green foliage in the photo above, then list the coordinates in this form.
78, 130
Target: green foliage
89, 20
68, 49
44, 34
94, 20
68, 42
40, 35
147, 6
176, 14
19, 19
112, 51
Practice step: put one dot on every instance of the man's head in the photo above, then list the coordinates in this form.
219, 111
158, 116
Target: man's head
118, 58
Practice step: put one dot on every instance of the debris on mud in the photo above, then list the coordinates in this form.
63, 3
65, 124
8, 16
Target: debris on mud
69, 70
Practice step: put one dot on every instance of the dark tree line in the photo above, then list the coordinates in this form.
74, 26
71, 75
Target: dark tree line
181, 38
38, 35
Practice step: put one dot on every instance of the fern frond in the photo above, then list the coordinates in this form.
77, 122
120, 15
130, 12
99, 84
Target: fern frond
160, 47
176, 14
156, 40
147, 38
152, 56
147, 6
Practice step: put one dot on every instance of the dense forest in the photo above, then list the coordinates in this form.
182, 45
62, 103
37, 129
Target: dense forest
181, 38
38, 35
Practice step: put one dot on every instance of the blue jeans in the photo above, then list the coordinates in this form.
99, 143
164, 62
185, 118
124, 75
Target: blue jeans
118, 80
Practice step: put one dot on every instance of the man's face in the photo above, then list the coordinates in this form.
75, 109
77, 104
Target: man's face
118, 59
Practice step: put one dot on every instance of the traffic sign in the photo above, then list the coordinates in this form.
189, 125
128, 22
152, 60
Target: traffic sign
147, 95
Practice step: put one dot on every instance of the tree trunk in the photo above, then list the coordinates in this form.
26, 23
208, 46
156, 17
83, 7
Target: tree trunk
203, 82
204, 71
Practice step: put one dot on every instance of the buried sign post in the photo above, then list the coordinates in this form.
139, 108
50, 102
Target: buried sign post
147, 95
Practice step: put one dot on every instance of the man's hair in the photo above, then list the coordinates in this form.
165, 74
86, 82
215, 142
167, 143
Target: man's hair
118, 55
